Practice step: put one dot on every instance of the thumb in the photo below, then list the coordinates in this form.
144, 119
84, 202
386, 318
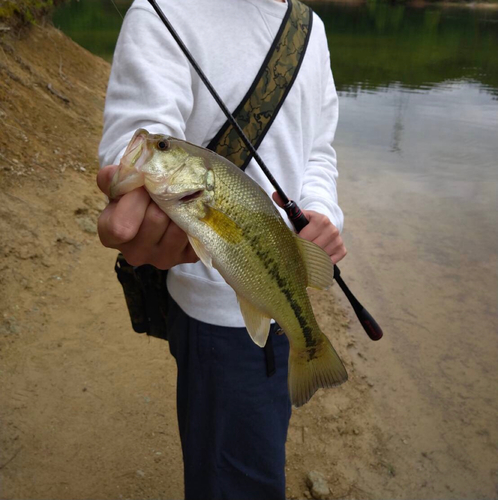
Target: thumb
104, 178
277, 199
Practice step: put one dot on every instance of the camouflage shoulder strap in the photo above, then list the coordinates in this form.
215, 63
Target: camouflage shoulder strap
260, 105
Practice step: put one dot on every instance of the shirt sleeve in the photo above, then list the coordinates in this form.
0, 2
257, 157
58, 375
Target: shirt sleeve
319, 191
150, 85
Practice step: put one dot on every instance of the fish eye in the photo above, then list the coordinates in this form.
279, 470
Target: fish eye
163, 145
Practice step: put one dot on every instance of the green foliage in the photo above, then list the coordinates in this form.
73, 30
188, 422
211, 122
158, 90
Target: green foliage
7, 10
26, 11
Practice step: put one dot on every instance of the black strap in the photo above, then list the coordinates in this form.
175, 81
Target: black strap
270, 357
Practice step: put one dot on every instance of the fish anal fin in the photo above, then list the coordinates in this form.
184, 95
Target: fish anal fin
319, 266
257, 324
201, 251
222, 225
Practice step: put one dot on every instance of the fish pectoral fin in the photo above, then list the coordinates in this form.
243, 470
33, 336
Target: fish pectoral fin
222, 225
319, 266
201, 251
257, 324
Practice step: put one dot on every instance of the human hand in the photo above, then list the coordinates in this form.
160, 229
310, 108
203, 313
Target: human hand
321, 232
139, 229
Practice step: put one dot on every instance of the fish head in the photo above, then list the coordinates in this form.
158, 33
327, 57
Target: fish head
171, 170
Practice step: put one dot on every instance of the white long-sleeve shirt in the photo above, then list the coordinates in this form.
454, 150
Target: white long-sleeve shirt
153, 86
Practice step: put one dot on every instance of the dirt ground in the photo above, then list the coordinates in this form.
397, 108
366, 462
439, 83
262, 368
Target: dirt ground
88, 406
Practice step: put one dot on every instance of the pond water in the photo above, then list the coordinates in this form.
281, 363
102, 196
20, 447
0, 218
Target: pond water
418, 149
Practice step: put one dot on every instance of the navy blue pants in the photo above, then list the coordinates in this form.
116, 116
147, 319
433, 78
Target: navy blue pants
233, 418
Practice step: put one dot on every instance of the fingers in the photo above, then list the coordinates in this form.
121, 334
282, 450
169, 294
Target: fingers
159, 242
144, 247
137, 227
189, 255
277, 199
324, 234
336, 249
154, 226
318, 228
173, 248
104, 178
338, 254
120, 221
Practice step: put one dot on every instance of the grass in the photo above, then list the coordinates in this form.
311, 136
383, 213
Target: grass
25, 12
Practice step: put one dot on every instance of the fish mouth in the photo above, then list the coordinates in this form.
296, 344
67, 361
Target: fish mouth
134, 149
191, 196
129, 176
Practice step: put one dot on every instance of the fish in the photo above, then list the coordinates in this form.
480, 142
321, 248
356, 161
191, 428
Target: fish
234, 227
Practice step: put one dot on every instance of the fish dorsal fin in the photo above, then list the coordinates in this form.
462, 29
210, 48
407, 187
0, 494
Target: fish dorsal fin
222, 224
257, 324
201, 251
319, 266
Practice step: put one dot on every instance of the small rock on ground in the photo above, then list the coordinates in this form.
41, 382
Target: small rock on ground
318, 485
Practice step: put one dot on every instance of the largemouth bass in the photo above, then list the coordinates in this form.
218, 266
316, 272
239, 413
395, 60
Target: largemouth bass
234, 227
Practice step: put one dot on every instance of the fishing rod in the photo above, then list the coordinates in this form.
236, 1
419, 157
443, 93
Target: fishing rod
292, 210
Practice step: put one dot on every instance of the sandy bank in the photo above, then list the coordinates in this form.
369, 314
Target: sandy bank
88, 406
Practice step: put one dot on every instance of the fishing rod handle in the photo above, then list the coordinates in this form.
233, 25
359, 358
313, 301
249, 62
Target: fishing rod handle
371, 327
296, 216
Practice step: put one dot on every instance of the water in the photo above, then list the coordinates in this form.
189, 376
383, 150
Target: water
377, 45
418, 158
418, 149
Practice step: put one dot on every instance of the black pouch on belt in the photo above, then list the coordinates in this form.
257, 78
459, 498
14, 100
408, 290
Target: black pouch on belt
146, 296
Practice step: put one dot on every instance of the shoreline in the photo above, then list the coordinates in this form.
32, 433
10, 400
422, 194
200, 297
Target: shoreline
89, 404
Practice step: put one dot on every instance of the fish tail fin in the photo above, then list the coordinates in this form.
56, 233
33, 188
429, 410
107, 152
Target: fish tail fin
313, 368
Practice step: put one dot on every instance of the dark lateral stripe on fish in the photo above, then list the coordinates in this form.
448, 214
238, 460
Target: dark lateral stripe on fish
272, 268
309, 339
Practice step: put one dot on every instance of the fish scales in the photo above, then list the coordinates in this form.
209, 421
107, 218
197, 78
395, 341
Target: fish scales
234, 226
267, 245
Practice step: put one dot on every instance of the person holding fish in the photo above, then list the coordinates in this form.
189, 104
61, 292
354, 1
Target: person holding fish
197, 209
